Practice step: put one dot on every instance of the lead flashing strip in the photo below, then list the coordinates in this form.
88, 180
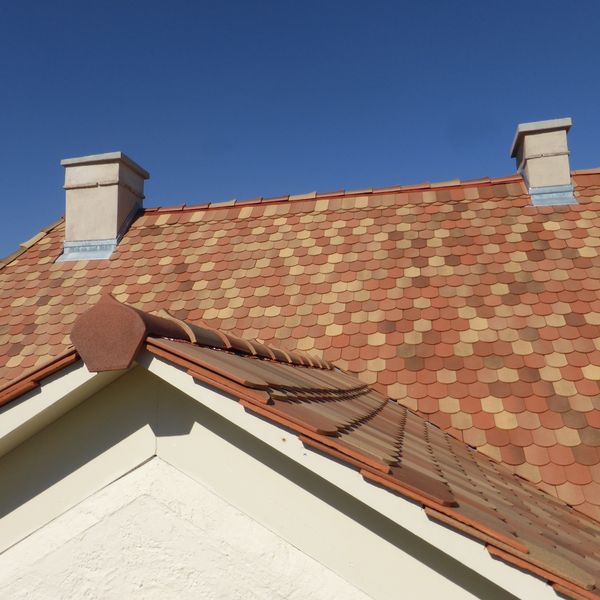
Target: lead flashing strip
555, 195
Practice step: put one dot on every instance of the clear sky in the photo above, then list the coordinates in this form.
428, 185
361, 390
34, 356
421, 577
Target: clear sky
222, 100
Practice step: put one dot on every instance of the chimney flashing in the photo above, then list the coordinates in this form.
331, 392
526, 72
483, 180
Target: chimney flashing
92, 250
552, 195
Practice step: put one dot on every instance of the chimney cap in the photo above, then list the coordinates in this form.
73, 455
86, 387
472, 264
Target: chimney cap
537, 127
107, 157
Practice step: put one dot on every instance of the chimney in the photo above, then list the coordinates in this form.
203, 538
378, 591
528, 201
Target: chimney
542, 155
103, 194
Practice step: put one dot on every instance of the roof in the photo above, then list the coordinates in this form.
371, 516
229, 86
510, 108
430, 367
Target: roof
337, 415
459, 300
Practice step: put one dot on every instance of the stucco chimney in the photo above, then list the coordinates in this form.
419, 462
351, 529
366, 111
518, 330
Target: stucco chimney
103, 194
542, 155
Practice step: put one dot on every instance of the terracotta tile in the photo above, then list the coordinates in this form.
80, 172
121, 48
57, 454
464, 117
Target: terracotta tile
578, 475
570, 493
553, 474
512, 455
522, 438
537, 455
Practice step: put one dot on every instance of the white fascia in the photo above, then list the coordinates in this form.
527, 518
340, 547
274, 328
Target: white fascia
56, 395
405, 513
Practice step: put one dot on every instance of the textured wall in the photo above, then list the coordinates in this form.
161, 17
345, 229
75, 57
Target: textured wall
156, 533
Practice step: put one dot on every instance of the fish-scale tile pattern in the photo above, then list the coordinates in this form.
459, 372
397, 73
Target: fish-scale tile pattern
461, 301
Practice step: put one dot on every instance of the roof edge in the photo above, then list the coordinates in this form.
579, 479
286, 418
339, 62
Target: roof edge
31, 379
24, 246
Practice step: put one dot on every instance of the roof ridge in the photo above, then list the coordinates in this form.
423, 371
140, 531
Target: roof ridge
197, 334
109, 335
591, 171
437, 186
290, 198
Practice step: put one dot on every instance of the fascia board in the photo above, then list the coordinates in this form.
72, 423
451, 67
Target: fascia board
56, 395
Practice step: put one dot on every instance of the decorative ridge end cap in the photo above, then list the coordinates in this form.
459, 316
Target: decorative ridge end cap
109, 335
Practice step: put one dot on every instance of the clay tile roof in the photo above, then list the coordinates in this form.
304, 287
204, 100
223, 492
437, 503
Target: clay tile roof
337, 415
461, 301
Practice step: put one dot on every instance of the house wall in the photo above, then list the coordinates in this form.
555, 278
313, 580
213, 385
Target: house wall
155, 534
70, 467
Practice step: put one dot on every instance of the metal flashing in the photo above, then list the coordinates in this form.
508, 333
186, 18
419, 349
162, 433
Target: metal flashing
553, 195
88, 250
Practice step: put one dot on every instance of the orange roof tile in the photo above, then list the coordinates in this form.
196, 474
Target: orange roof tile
462, 302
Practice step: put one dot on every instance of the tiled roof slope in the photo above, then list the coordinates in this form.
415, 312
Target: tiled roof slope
336, 414
461, 301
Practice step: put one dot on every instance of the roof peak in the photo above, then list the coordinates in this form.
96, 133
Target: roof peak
415, 187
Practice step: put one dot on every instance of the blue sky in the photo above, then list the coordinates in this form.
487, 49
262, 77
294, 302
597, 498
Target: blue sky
226, 100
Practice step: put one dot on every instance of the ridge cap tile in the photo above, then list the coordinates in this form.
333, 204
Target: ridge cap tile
370, 191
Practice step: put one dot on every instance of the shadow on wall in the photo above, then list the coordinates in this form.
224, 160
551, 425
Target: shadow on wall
108, 417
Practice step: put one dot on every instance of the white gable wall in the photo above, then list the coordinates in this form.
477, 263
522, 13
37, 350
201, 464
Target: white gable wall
138, 417
156, 534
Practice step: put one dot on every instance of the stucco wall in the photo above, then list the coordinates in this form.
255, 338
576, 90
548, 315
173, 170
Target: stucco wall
156, 533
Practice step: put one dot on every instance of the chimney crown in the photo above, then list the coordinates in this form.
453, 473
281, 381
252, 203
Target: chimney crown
103, 194
542, 154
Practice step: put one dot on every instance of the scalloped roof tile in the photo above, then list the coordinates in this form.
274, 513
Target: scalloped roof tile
461, 301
